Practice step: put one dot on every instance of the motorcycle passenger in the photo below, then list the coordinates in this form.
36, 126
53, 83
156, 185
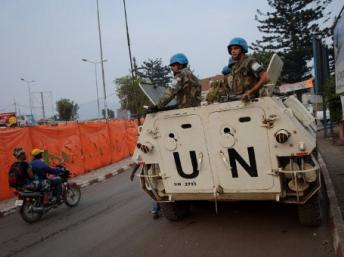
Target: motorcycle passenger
42, 171
20, 174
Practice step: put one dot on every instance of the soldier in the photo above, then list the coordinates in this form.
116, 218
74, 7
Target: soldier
248, 74
185, 88
220, 89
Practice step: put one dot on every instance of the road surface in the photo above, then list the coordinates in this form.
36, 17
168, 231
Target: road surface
113, 219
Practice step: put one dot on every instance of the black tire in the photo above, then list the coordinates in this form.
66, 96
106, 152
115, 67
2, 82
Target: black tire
72, 195
175, 211
310, 213
28, 213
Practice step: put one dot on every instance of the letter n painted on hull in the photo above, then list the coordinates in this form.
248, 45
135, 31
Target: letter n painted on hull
235, 157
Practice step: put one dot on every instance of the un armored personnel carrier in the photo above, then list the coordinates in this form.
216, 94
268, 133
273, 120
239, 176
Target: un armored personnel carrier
261, 150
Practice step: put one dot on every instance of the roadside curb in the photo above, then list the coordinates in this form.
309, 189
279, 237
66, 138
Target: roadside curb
335, 216
7, 211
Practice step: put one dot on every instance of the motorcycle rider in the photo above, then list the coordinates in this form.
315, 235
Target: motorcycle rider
42, 171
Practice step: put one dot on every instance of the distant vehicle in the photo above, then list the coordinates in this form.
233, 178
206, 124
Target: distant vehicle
8, 119
26, 120
47, 122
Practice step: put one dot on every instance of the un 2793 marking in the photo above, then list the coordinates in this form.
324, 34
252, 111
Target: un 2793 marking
234, 157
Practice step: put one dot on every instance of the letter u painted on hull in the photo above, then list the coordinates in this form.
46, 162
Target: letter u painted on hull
195, 171
234, 156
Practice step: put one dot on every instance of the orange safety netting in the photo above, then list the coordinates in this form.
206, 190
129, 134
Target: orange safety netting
82, 146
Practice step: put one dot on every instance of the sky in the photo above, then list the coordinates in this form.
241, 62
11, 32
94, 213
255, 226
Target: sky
45, 40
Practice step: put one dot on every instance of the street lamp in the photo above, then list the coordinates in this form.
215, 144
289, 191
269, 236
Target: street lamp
28, 82
96, 77
102, 63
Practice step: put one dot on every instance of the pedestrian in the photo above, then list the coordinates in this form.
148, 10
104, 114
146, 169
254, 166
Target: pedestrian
185, 87
155, 205
248, 74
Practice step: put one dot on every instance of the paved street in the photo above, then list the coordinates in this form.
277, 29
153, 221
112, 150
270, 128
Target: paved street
113, 219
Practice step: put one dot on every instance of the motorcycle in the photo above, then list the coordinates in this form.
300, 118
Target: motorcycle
30, 203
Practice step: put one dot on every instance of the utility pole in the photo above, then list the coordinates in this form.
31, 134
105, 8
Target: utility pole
28, 83
42, 100
102, 64
15, 107
128, 39
96, 78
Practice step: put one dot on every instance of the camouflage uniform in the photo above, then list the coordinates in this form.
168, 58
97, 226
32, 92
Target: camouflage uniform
218, 89
245, 75
185, 89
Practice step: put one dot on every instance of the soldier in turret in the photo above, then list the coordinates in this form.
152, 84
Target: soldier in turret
248, 74
185, 87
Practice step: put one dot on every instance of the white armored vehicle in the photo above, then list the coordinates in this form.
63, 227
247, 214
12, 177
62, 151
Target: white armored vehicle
261, 150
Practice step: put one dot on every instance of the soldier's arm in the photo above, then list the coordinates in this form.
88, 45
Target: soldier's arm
170, 92
263, 76
166, 98
211, 93
210, 97
263, 79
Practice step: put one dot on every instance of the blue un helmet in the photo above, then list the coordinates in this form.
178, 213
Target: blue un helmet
226, 70
231, 62
179, 58
238, 41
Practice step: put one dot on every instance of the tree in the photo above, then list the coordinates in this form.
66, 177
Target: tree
264, 57
67, 109
111, 113
131, 96
289, 29
332, 101
154, 72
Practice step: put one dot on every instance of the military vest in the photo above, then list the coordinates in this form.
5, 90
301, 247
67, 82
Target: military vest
190, 93
243, 77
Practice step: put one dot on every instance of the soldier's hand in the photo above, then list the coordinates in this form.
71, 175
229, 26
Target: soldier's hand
153, 108
245, 97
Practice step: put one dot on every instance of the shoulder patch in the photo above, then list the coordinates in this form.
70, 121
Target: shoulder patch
255, 66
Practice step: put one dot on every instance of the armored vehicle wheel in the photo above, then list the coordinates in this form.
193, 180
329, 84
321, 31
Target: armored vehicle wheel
175, 211
310, 213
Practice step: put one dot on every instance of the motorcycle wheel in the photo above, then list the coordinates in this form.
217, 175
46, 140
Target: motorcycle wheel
28, 212
72, 196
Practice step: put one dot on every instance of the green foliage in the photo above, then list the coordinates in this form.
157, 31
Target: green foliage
288, 30
332, 101
128, 91
152, 71
130, 95
111, 113
67, 109
263, 57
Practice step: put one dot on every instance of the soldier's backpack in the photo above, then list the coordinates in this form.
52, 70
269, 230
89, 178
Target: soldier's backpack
15, 175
